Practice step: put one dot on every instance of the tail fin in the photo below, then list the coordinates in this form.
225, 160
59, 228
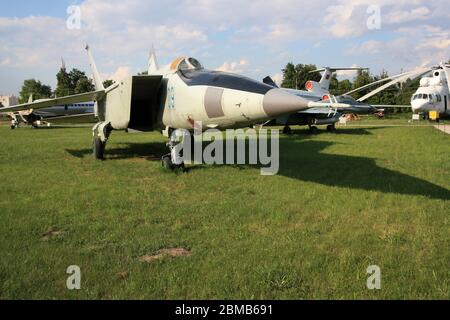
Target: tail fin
30, 98
97, 80
152, 62
328, 72
326, 79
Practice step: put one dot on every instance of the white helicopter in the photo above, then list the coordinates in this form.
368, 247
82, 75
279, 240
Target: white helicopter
432, 95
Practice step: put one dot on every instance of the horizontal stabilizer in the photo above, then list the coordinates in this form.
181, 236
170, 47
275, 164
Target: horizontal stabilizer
338, 69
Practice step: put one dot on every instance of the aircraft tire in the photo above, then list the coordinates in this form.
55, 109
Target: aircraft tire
167, 162
287, 130
313, 130
13, 127
331, 128
98, 148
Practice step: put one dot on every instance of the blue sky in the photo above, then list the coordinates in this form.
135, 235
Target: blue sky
255, 38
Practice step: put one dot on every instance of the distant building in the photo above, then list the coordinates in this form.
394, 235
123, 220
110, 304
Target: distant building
7, 101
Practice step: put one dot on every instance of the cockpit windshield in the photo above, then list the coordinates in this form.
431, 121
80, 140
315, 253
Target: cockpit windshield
346, 99
194, 62
223, 80
185, 63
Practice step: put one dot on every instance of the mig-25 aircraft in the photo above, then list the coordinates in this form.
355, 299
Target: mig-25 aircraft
178, 96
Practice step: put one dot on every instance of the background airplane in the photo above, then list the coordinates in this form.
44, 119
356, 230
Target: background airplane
319, 92
69, 113
432, 95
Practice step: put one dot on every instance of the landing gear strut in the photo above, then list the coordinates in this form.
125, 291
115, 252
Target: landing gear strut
331, 128
174, 159
100, 132
287, 130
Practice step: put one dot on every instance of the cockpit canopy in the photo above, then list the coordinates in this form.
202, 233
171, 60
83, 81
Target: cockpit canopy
343, 99
185, 63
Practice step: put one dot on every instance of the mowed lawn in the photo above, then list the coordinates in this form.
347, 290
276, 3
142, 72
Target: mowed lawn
340, 203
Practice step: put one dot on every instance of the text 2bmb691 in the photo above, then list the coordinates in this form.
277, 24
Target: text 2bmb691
243, 309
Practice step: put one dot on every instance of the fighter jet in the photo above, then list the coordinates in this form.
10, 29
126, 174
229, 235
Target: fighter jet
325, 113
175, 97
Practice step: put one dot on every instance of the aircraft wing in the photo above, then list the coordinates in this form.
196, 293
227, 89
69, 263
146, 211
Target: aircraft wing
75, 118
40, 104
316, 111
391, 106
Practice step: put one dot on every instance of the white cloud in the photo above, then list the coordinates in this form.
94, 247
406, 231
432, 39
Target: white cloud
235, 67
272, 33
278, 78
121, 73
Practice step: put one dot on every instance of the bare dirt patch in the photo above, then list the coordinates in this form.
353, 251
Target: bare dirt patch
168, 252
51, 233
122, 275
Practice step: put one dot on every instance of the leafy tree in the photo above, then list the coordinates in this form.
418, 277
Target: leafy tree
74, 82
362, 78
64, 85
108, 83
36, 88
295, 76
344, 86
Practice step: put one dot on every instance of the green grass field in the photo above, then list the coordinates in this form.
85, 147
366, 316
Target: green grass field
375, 195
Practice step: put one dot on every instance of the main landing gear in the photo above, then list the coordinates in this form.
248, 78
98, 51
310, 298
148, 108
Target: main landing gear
100, 132
14, 124
313, 129
287, 130
331, 127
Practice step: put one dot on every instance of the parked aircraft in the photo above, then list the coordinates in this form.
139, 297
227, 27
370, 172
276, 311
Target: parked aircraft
74, 112
432, 95
178, 96
319, 92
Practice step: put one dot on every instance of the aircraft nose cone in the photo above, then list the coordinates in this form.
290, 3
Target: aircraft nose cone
417, 106
277, 102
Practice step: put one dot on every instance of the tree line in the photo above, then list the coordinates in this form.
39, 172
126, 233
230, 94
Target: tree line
68, 83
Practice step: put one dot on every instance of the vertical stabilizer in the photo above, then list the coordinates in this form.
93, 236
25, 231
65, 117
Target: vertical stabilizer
97, 80
152, 62
326, 79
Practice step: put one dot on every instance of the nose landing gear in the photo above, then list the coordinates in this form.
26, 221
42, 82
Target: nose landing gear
174, 159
